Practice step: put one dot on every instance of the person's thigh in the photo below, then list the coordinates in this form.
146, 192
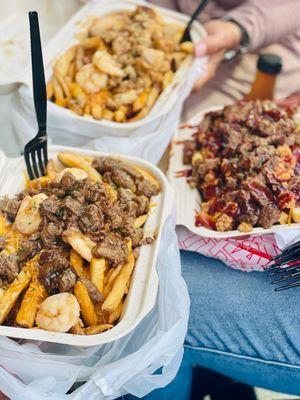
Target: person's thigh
240, 326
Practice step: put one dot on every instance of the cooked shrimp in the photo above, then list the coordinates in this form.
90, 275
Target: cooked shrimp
58, 313
82, 244
91, 80
105, 63
78, 173
28, 217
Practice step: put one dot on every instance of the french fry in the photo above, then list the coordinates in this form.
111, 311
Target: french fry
86, 305
50, 90
63, 63
37, 183
77, 262
33, 297
63, 83
111, 191
168, 77
97, 271
147, 176
94, 330
153, 95
139, 221
4, 225
114, 272
77, 330
116, 314
117, 292
11, 295
78, 93
81, 243
140, 102
58, 93
77, 161
50, 170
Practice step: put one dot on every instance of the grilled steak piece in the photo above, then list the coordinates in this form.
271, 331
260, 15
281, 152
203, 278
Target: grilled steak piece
73, 206
67, 181
9, 268
121, 178
67, 281
52, 265
29, 248
94, 293
51, 233
146, 188
91, 220
51, 208
112, 248
10, 207
269, 214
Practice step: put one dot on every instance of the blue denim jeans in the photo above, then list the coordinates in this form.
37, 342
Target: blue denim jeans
239, 326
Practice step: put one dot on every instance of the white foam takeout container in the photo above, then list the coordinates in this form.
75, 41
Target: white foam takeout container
144, 284
66, 37
188, 200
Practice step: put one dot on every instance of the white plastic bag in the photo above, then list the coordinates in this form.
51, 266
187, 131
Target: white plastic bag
38, 371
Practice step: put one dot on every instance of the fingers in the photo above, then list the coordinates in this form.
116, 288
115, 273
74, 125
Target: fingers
210, 45
211, 69
291, 101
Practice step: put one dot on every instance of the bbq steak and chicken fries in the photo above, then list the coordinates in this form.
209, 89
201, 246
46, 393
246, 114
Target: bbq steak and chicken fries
69, 243
246, 165
120, 66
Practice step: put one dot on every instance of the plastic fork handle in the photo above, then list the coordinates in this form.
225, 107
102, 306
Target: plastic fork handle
196, 14
38, 74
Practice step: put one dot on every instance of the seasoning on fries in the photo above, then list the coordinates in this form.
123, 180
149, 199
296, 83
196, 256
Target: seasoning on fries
68, 241
120, 66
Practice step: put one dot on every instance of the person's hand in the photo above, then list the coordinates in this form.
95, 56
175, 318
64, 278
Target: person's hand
221, 36
293, 100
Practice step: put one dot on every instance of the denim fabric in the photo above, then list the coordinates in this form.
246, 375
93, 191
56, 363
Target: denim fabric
239, 326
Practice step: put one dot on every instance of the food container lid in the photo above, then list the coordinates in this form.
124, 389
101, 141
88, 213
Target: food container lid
269, 63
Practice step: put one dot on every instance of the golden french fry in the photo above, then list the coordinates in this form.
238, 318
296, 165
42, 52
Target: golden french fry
97, 271
94, 330
153, 95
63, 83
114, 272
296, 214
33, 297
58, 91
4, 225
107, 114
96, 111
139, 221
81, 243
77, 330
119, 116
12, 293
78, 93
116, 314
37, 183
77, 263
71, 71
112, 193
168, 77
50, 90
92, 43
86, 305
117, 292
79, 62
63, 63
140, 102
187, 47
77, 161
50, 170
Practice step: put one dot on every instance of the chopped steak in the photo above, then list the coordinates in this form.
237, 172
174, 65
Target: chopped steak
10, 207
52, 265
121, 178
246, 150
72, 205
94, 293
146, 188
8, 267
29, 248
67, 281
112, 248
50, 234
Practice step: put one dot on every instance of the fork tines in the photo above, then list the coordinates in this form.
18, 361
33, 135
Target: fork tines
36, 156
289, 275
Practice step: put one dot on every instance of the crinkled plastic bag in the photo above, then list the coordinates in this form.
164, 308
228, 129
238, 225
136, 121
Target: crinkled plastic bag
146, 359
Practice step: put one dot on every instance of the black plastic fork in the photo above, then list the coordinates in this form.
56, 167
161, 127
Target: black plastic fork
36, 151
186, 37
284, 269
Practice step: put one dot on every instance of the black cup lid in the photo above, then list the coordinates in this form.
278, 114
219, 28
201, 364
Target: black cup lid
269, 63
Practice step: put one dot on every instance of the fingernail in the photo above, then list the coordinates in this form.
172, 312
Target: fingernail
200, 49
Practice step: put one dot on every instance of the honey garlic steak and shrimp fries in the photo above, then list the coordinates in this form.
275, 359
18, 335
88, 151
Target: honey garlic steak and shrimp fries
246, 165
69, 243
120, 66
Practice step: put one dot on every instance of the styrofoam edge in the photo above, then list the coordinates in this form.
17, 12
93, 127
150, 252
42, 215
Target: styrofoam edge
186, 217
57, 45
150, 287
